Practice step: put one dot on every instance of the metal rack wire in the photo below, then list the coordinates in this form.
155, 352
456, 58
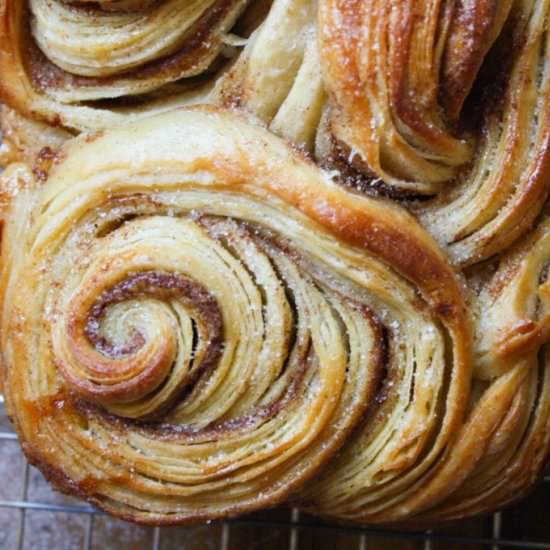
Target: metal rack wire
295, 526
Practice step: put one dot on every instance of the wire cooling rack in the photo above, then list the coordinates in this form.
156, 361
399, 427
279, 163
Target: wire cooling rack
33, 517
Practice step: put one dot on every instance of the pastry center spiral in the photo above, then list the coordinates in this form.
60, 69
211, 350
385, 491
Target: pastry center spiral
212, 322
142, 336
108, 368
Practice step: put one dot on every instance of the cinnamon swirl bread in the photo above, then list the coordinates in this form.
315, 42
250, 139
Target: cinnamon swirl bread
198, 322
89, 65
328, 287
442, 101
211, 317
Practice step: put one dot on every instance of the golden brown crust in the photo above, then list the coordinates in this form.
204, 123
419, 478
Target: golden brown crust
437, 100
59, 81
385, 96
286, 211
475, 27
410, 70
23, 139
46, 75
217, 326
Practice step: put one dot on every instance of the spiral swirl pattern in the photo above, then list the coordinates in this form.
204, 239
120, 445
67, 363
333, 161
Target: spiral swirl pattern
87, 65
211, 321
437, 100
216, 325
503, 445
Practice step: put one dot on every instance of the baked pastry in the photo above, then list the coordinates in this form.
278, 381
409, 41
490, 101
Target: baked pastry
393, 467
210, 317
213, 318
89, 65
499, 197
277, 77
24, 140
198, 320
432, 100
